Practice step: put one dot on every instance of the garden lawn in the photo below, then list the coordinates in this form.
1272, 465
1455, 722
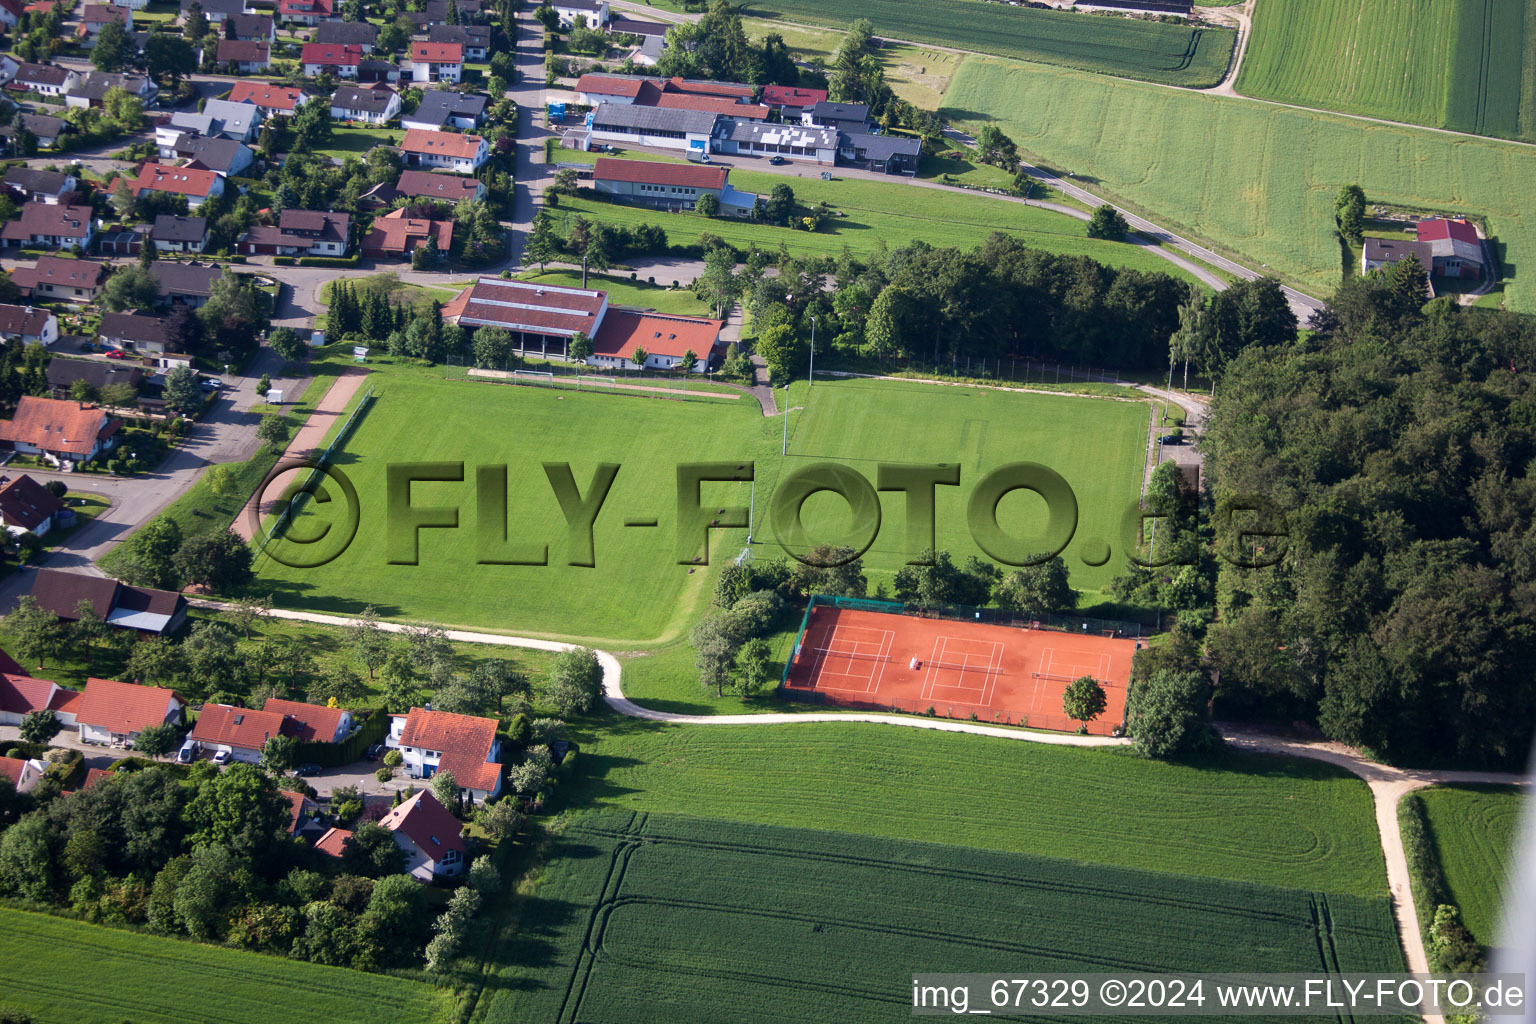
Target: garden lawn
1467, 65
1284, 821
647, 917
357, 142
1172, 54
1474, 830
70, 972
1209, 165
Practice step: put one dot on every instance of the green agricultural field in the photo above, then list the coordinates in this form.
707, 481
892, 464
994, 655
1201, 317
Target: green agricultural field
637, 590
1390, 59
1255, 178
69, 972
646, 917
876, 211
1474, 830
1282, 821
1130, 48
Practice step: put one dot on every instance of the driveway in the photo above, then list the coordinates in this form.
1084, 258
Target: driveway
95, 756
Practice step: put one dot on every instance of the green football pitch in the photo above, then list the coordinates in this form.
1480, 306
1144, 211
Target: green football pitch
636, 589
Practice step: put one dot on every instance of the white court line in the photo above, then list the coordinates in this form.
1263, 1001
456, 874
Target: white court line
1047, 659
926, 693
885, 655
832, 650
989, 688
1103, 675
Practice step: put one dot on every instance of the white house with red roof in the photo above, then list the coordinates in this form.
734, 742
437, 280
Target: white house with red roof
271, 100
461, 154
24, 774
1456, 249
196, 184
670, 186
437, 62
434, 741
21, 694
430, 837
239, 732
306, 12
314, 723
340, 59
110, 712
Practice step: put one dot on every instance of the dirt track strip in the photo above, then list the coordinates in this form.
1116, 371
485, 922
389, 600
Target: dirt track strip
1387, 784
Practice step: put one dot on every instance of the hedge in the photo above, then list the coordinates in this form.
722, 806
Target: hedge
328, 261
283, 261
332, 755
1426, 877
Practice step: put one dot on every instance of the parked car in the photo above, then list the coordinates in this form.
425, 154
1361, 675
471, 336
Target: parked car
221, 758
309, 768
376, 751
117, 353
776, 160
189, 750
1171, 439
211, 383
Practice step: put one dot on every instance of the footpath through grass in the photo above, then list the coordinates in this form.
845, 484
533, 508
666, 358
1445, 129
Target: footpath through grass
649, 917
1474, 829
1282, 821
69, 972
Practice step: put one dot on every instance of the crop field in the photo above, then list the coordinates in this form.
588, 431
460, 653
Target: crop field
1282, 821
1391, 59
1209, 165
1475, 829
70, 972
637, 590
1152, 51
645, 917
894, 213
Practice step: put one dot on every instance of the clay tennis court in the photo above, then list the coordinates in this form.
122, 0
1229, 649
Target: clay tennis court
1004, 674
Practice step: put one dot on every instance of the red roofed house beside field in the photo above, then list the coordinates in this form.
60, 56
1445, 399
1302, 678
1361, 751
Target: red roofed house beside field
789, 99
669, 186
20, 695
114, 713
433, 741
429, 835
1454, 246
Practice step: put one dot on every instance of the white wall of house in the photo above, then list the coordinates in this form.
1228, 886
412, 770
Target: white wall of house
342, 70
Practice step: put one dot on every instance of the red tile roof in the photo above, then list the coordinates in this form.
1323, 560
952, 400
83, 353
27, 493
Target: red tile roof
624, 330
123, 707
271, 97
100, 14
464, 743
339, 54
26, 503
20, 694
66, 702
792, 96
651, 172
1445, 228
313, 721
423, 140
296, 808
426, 823
187, 181
523, 305
438, 53
243, 50
222, 724
395, 234
57, 425
713, 105
334, 842
12, 768
93, 776
602, 85
428, 184
704, 88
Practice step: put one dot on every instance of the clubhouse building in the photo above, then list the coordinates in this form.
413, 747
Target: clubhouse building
542, 319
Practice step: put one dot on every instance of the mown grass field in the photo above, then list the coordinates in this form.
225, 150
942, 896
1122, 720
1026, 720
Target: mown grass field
1282, 821
1458, 64
1210, 165
647, 917
1474, 830
637, 591
69, 972
1152, 51
893, 213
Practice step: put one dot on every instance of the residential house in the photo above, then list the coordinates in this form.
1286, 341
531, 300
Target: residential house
669, 186
849, 118
439, 109
11, 12
61, 280
1381, 252
28, 324
271, 100
299, 232
624, 90
146, 611
95, 16
593, 12
1456, 250
303, 815
222, 156
194, 183
370, 70
132, 332
447, 188
91, 91
243, 57
214, 10
394, 235
239, 732
254, 28
314, 723
339, 59
334, 842
110, 712
722, 105
437, 62
62, 432
45, 128
98, 373
175, 233
792, 101
26, 506
474, 39
186, 284
888, 154
233, 119
542, 318
636, 27
25, 773
790, 141
430, 837
434, 741
45, 79
20, 695
34, 186
461, 154
49, 226
653, 126
362, 34
306, 12
376, 104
